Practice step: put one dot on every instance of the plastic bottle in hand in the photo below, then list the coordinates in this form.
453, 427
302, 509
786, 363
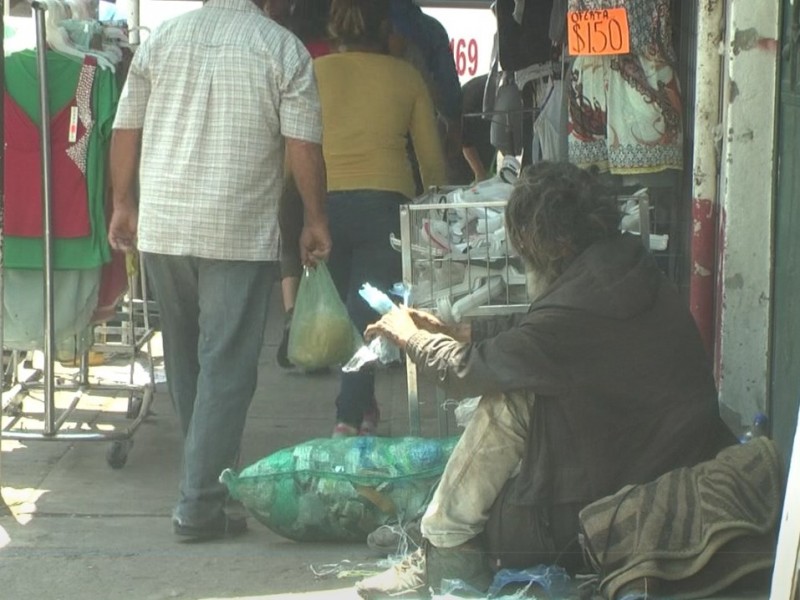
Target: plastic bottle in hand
380, 302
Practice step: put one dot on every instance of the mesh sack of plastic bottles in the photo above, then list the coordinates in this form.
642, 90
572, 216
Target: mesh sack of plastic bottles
340, 489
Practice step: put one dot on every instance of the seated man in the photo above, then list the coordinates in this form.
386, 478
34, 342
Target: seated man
603, 382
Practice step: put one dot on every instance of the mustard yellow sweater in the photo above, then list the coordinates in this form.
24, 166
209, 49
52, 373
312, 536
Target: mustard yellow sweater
369, 103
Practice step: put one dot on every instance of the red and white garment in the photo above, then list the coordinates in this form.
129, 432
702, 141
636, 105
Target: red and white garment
70, 128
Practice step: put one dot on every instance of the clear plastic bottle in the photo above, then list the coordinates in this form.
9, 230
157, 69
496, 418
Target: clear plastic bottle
758, 428
378, 301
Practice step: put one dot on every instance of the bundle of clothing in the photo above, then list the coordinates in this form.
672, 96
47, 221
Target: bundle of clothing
621, 113
693, 531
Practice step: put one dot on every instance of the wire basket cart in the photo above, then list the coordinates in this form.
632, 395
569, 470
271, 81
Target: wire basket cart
457, 263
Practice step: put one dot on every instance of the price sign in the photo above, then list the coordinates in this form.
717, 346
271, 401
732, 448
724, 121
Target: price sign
465, 55
598, 32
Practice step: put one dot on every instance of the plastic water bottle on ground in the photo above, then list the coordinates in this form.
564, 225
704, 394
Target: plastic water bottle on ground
759, 428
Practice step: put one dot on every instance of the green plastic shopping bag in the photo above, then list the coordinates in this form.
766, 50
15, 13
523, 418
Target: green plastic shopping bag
321, 334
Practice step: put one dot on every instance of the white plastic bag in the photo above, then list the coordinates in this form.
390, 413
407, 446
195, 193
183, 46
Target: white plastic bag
465, 410
380, 350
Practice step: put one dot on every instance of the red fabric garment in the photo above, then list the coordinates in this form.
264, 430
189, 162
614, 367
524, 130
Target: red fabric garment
22, 168
113, 285
317, 48
113, 279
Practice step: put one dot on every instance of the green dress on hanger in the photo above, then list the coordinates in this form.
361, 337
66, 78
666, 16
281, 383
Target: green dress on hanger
21, 81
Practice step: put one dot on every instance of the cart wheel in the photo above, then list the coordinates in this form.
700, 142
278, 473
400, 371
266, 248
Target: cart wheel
134, 407
117, 454
13, 409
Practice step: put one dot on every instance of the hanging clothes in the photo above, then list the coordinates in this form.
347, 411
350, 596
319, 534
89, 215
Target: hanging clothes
625, 111
82, 99
625, 115
76, 295
21, 82
550, 126
113, 285
558, 22
526, 42
69, 131
649, 21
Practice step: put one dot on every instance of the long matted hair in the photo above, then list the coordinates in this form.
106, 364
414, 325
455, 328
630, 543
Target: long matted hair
555, 212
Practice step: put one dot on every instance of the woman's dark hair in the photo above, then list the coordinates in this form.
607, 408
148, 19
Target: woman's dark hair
555, 212
309, 19
360, 22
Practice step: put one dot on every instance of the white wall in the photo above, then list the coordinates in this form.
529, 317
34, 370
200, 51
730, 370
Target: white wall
748, 165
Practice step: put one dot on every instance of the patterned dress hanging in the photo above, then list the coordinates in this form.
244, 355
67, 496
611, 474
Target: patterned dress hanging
625, 111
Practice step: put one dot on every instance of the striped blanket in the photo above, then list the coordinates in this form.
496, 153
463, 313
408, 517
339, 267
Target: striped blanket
694, 530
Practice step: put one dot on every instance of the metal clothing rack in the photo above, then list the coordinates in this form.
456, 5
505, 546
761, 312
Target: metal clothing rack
54, 426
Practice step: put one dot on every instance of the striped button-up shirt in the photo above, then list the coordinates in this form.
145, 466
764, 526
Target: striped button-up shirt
215, 91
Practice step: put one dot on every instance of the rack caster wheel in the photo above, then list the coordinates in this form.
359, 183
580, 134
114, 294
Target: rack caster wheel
117, 454
134, 407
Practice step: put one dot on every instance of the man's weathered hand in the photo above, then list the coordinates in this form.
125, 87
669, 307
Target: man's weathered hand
397, 326
315, 244
428, 321
433, 324
123, 226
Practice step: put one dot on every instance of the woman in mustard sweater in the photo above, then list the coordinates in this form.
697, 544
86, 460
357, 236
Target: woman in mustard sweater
371, 103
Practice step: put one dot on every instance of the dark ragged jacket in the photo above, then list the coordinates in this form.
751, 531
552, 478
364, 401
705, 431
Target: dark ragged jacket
624, 389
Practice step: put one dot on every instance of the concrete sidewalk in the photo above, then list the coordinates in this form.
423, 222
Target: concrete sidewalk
77, 529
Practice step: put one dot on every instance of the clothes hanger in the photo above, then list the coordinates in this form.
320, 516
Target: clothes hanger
59, 40
80, 9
